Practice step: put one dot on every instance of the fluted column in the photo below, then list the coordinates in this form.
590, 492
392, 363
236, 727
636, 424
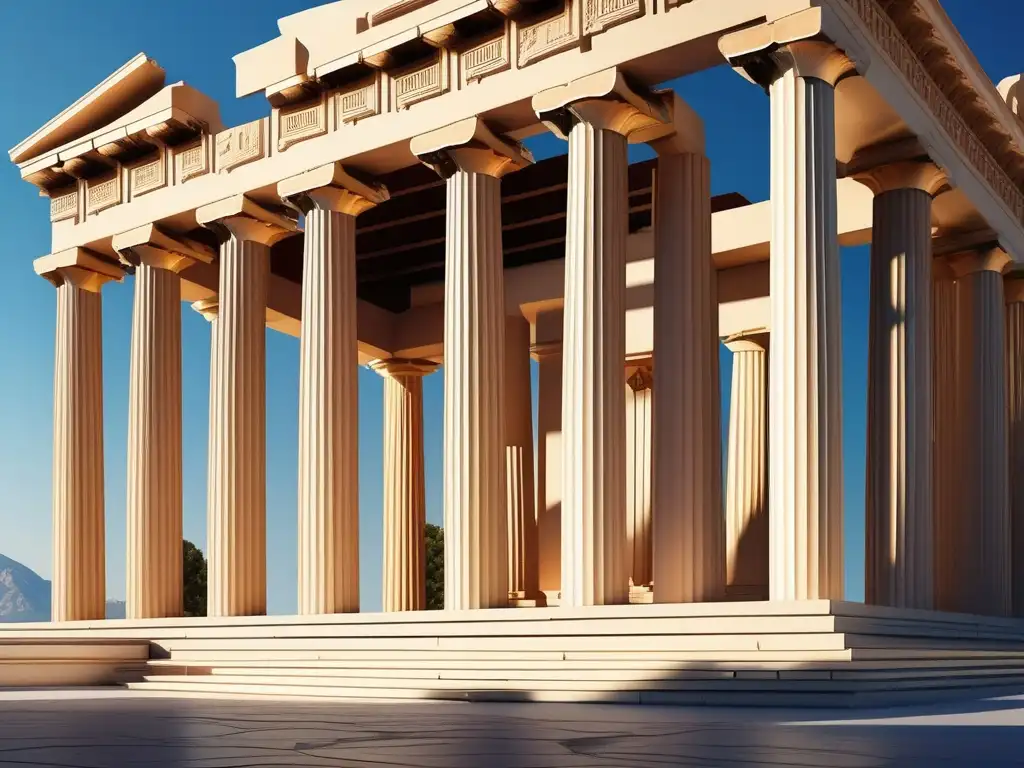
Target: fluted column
518, 406
329, 388
980, 536
154, 584
79, 566
805, 462
899, 568
237, 487
549, 466
595, 115
746, 493
405, 506
639, 476
473, 160
983, 570
946, 442
689, 563
1014, 292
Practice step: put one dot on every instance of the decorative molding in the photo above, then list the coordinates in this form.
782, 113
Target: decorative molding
103, 194
892, 43
599, 15
360, 101
148, 176
240, 145
64, 207
301, 123
487, 58
192, 161
395, 10
550, 36
421, 82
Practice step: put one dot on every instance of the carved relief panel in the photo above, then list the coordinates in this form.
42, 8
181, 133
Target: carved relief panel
301, 123
359, 101
148, 176
64, 206
103, 192
421, 82
240, 145
487, 58
552, 35
192, 161
599, 15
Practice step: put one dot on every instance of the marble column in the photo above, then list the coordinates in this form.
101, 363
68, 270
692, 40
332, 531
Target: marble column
154, 581
983, 566
549, 467
1014, 293
596, 115
805, 447
689, 529
237, 524
946, 485
329, 388
639, 475
473, 160
899, 513
746, 492
405, 506
79, 565
519, 470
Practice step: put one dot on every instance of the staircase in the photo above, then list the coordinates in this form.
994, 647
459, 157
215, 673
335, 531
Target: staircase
754, 654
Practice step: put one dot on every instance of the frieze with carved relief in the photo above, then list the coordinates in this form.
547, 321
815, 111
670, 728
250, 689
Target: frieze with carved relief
101, 194
148, 176
421, 82
240, 145
301, 123
550, 36
487, 58
359, 101
599, 15
192, 161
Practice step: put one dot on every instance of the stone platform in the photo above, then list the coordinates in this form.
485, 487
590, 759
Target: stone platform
817, 653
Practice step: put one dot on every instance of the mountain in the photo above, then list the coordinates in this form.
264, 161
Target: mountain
25, 595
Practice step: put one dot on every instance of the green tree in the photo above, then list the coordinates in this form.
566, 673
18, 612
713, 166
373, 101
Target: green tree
195, 580
435, 567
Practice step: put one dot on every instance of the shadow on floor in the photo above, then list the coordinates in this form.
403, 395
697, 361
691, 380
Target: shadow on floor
101, 730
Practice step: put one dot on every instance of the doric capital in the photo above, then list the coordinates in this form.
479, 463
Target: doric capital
151, 246
470, 146
79, 267
795, 43
246, 220
911, 174
332, 188
748, 341
396, 367
208, 307
990, 259
1013, 287
604, 100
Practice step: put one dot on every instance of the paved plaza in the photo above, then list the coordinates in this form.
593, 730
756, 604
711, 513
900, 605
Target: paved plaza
97, 729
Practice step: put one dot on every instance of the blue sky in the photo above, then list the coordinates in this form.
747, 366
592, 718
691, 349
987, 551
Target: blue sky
53, 51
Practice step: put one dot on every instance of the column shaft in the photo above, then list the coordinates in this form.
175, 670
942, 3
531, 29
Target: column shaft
405, 506
805, 409
236, 537
154, 587
746, 505
79, 567
593, 399
639, 477
899, 569
688, 522
946, 442
549, 466
476, 536
983, 526
329, 418
1015, 405
518, 406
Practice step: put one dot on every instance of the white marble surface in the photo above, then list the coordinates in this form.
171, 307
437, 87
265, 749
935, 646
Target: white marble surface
94, 729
